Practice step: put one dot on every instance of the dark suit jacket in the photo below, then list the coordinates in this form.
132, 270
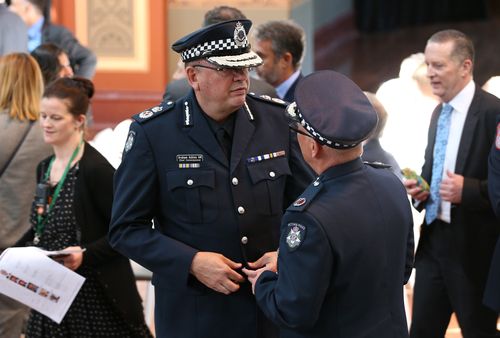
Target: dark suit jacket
290, 94
82, 59
373, 152
344, 275
174, 170
475, 228
180, 88
492, 291
92, 207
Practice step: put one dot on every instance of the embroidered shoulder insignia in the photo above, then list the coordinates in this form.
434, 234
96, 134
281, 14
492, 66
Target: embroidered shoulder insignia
304, 200
378, 165
151, 113
295, 235
268, 99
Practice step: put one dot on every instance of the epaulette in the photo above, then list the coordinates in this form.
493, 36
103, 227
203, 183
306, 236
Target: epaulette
307, 196
151, 113
377, 165
268, 99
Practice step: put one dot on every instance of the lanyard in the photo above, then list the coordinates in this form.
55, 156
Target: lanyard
41, 220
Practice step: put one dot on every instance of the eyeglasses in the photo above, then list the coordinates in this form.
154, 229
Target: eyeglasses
294, 127
226, 71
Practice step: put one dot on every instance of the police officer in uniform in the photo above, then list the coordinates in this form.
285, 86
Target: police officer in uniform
214, 171
346, 246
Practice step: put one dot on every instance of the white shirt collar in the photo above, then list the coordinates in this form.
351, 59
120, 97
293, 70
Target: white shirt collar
461, 102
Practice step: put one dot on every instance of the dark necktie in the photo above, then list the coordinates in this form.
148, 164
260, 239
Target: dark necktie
224, 141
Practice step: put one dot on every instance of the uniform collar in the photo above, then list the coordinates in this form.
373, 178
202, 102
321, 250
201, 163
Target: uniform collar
341, 169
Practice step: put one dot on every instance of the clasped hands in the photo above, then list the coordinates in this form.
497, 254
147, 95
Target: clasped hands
219, 272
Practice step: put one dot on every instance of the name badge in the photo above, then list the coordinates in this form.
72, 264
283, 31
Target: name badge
189, 160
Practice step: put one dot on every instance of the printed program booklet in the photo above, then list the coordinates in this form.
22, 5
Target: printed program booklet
30, 276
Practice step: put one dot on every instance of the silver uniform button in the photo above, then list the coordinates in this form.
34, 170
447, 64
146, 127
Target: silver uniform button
272, 174
241, 210
244, 240
234, 181
190, 182
316, 183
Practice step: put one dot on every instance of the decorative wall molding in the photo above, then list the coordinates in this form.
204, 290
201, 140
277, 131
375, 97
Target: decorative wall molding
117, 31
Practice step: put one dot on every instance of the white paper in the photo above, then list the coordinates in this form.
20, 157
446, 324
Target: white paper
30, 277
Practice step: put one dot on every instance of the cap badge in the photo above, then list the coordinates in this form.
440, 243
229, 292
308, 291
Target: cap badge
292, 110
295, 235
240, 36
300, 202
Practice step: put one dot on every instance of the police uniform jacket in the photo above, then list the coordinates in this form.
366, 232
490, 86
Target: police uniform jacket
345, 252
175, 172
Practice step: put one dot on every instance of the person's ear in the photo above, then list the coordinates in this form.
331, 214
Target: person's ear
287, 59
467, 67
80, 121
316, 148
192, 77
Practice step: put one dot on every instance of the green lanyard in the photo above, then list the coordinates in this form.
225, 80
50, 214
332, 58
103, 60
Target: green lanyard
41, 220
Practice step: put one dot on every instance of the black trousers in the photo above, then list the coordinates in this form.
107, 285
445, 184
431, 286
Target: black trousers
443, 287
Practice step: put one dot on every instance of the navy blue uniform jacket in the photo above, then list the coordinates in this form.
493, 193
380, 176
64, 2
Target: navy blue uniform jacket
175, 172
346, 250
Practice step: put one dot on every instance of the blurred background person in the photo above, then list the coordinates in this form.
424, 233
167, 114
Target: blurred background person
41, 30
409, 101
22, 147
372, 150
179, 87
13, 32
79, 182
281, 45
53, 62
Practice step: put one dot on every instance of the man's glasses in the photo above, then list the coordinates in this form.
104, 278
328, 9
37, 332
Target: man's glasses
226, 71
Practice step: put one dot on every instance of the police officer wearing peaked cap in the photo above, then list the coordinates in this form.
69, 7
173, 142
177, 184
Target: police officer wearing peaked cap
215, 171
346, 246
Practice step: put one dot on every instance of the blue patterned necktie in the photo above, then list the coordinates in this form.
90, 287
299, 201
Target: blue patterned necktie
442, 132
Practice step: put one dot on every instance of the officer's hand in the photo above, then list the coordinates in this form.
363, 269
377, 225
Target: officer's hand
451, 187
253, 275
269, 260
414, 190
216, 271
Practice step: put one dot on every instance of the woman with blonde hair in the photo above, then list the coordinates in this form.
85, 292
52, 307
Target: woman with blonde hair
22, 147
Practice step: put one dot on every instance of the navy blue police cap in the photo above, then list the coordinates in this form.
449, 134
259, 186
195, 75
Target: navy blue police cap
333, 109
224, 44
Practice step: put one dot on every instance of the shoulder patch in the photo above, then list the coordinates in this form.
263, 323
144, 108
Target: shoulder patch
153, 112
268, 99
378, 165
303, 201
295, 235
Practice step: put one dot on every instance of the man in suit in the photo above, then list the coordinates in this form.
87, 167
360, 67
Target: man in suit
460, 229
280, 44
13, 32
215, 169
340, 273
492, 290
180, 87
40, 30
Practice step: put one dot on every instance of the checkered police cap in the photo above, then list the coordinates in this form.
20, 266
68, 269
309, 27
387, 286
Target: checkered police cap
223, 44
333, 109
